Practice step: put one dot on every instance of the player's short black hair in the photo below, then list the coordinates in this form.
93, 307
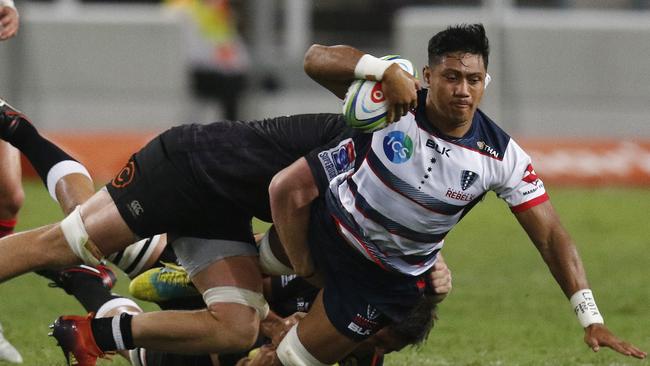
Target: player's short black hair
416, 326
469, 38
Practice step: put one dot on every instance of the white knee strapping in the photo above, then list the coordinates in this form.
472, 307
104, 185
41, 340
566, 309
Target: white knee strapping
60, 170
237, 295
269, 263
116, 303
77, 238
292, 353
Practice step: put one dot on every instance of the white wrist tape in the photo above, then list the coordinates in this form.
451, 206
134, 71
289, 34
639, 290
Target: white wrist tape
9, 3
585, 307
371, 68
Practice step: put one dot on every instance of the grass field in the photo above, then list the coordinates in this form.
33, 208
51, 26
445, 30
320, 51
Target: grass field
505, 308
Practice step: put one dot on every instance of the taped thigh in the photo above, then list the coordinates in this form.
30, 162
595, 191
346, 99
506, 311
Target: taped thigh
231, 294
77, 237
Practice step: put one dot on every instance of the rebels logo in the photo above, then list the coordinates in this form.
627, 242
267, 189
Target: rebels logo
529, 175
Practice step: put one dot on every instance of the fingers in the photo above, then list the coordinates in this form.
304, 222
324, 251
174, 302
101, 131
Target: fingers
597, 336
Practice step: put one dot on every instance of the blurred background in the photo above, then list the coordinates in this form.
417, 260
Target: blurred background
571, 77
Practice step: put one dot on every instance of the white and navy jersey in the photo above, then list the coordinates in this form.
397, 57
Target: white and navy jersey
409, 185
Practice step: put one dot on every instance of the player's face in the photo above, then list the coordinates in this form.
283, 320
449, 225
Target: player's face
456, 87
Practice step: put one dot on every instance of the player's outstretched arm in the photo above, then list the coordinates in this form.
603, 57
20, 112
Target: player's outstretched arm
335, 67
291, 193
9, 19
544, 228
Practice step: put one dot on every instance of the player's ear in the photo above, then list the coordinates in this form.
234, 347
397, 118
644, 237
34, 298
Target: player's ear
426, 73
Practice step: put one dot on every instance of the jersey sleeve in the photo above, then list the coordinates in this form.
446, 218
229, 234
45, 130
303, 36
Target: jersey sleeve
518, 184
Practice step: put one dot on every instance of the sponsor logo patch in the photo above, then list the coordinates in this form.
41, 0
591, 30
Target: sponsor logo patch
398, 147
482, 146
365, 325
136, 208
339, 159
529, 175
125, 176
437, 148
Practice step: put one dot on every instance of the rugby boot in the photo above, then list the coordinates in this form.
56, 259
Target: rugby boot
63, 278
75, 337
9, 118
7, 351
163, 284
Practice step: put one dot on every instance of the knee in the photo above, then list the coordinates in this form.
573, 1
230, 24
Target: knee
238, 326
11, 203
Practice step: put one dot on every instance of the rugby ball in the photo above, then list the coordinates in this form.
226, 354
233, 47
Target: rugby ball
364, 106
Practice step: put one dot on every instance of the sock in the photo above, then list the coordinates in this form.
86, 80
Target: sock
113, 334
7, 227
89, 291
40, 152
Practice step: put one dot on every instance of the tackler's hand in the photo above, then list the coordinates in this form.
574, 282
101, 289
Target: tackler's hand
440, 279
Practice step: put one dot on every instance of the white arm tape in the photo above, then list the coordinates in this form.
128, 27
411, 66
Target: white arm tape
292, 353
9, 3
269, 263
371, 68
585, 307
78, 239
231, 294
60, 170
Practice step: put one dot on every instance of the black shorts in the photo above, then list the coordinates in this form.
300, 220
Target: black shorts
156, 193
359, 297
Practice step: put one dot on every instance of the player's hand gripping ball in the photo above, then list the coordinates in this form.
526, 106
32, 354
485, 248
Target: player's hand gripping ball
364, 106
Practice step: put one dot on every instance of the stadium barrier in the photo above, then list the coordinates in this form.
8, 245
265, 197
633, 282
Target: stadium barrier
584, 163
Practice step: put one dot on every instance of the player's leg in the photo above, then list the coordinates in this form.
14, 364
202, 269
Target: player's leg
231, 288
11, 190
314, 340
7, 351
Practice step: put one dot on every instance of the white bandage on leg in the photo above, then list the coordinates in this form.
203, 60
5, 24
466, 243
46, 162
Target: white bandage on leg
78, 240
60, 170
292, 353
116, 303
269, 263
371, 68
237, 295
585, 307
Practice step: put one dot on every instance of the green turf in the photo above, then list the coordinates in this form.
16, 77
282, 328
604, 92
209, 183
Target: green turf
505, 308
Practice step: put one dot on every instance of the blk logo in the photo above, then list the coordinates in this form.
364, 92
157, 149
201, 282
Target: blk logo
439, 149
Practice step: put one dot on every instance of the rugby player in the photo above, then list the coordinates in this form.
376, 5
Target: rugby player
373, 231
11, 190
188, 189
